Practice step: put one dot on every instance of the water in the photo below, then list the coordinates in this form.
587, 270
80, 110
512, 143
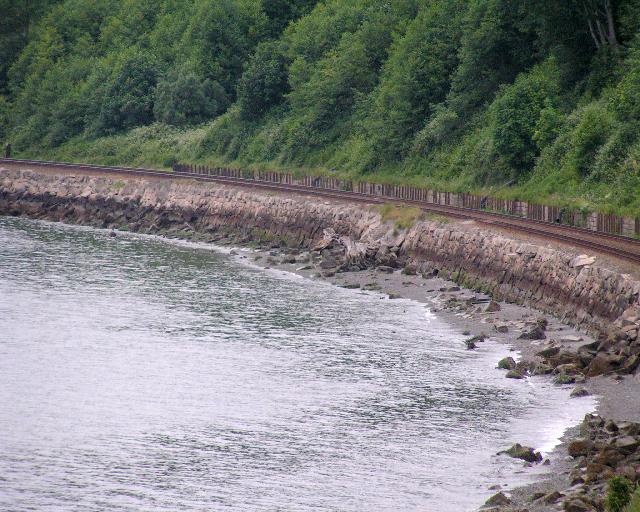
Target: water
139, 374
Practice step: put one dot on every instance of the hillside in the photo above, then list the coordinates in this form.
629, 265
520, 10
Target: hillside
532, 99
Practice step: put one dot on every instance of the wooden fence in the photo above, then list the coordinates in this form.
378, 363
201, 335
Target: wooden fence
603, 223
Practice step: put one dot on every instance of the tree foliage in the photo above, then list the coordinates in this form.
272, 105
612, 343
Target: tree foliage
462, 93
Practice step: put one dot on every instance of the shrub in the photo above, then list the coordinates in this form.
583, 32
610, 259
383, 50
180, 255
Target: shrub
128, 101
618, 494
264, 81
182, 98
634, 503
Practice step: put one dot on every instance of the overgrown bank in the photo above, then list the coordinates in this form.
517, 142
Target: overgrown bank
534, 100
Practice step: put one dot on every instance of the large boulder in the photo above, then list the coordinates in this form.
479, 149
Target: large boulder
507, 363
497, 500
526, 453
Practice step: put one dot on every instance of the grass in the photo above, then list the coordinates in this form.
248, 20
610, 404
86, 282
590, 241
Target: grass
403, 217
159, 146
634, 504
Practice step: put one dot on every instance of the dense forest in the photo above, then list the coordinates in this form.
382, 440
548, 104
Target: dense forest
538, 99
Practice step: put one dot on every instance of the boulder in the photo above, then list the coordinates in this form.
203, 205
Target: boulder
571, 339
385, 268
526, 453
577, 505
627, 444
502, 328
492, 307
535, 333
552, 497
507, 363
580, 447
601, 364
497, 500
582, 261
578, 392
514, 374
549, 352
410, 270
563, 378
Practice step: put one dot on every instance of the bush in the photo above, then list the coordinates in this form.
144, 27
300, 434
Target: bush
517, 112
128, 101
634, 503
264, 81
182, 98
618, 494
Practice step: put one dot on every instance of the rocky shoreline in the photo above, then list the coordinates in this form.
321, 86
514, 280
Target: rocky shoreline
433, 261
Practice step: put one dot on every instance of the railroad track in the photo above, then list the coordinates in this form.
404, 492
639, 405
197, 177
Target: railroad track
614, 245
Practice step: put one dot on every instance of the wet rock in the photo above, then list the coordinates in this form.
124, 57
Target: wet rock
497, 500
507, 363
514, 374
350, 286
395, 296
549, 352
578, 392
450, 289
386, 269
542, 369
563, 378
526, 453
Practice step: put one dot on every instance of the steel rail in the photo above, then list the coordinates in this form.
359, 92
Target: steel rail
618, 246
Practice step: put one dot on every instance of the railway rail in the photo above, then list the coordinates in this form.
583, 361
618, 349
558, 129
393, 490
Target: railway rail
614, 245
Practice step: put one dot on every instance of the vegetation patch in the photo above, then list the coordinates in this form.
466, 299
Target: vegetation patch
402, 217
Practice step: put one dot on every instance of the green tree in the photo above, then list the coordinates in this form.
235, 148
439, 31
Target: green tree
265, 80
182, 98
128, 99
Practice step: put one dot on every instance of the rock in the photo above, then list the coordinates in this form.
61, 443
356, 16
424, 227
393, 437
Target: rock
536, 333
492, 307
305, 267
395, 296
627, 444
507, 363
409, 270
577, 505
450, 289
526, 453
502, 328
552, 497
112, 233
471, 342
549, 352
514, 374
350, 286
571, 339
563, 378
541, 369
497, 500
578, 392
582, 261
580, 447
601, 364
386, 269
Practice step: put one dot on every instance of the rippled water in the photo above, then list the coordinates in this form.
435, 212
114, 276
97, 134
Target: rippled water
139, 374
